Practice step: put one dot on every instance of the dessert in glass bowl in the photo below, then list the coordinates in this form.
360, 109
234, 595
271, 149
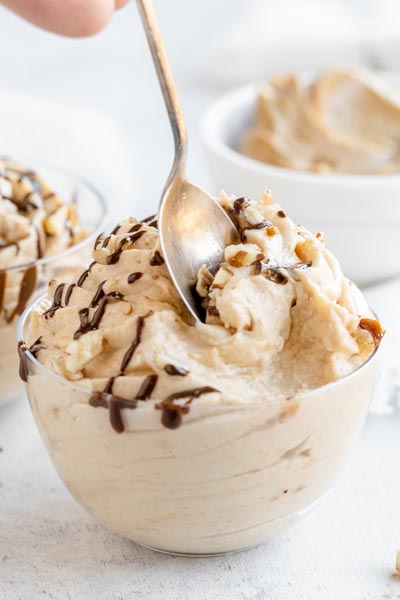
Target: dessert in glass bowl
210, 437
45, 231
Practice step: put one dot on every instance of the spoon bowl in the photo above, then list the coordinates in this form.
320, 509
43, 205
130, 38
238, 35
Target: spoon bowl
194, 230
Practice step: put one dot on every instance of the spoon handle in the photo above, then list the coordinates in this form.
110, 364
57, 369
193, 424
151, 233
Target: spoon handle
167, 83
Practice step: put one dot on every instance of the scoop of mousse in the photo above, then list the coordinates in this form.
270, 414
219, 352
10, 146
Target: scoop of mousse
343, 121
34, 223
280, 318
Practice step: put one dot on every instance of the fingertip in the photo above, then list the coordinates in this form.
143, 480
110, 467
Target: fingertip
88, 18
94, 16
120, 4
72, 18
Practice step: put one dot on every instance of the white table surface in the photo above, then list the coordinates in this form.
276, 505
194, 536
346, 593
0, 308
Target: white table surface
49, 547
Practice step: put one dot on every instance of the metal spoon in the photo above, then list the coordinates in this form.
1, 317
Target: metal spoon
194, 229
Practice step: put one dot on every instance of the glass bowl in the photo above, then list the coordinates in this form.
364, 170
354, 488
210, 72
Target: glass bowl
27, 281
231, 476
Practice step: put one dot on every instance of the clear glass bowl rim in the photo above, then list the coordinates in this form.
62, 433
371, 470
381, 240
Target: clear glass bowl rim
74, 384
102, 206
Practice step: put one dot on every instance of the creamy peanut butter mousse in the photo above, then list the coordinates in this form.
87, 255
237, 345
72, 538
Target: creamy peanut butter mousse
342, 121
34, 223
199, 431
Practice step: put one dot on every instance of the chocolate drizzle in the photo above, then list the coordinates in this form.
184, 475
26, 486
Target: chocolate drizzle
85, 275
156, 259
106, 399
172, 413
23, 363
25, 204
98, 295
10, 245
135, 228
234, 213
105, 241
128, 240
39, 250
27, 287
3, 285
97, 240
87, 325
134, 277
261, 225
57, 299
36, 347
136, 341
147, 387
148, 219
240, 204
68, 293
211, 309
175, 370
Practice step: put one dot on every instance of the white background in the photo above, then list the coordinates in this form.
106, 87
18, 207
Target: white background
49, 548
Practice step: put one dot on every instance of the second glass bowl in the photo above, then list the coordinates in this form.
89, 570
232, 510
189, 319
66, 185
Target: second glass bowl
28, 281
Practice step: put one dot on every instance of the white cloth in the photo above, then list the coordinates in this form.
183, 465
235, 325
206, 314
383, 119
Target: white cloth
86, 141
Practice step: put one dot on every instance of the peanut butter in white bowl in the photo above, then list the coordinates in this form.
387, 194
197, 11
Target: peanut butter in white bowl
327, 144
202, 438
341, 121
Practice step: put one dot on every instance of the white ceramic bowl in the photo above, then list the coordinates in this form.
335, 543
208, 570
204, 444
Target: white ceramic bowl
359, 214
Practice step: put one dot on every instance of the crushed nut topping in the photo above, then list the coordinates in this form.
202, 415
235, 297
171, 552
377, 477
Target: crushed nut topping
374, 328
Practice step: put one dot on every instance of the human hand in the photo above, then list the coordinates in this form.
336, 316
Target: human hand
74, 18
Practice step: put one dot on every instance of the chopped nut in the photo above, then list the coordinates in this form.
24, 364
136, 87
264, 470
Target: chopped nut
227, 200
204, 280
58, 367
242, 255
81, 351
54, 224
303, 250
221, 278
253, 216
72, 215
374, 328
271, 231
266, 199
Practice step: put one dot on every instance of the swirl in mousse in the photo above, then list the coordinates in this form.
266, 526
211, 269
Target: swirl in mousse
35, 224
341, 121
208, 437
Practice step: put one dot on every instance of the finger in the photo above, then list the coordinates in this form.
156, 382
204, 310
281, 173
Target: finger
74, 18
